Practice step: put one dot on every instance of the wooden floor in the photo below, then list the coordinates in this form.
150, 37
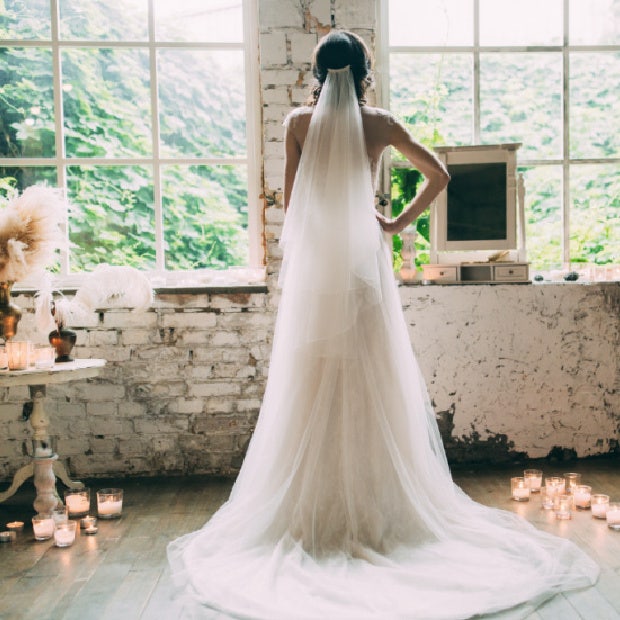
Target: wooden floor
121, 573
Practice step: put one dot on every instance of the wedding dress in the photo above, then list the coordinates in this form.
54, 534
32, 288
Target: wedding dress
345, 507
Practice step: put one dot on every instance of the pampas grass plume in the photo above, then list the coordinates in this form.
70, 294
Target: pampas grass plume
30, 232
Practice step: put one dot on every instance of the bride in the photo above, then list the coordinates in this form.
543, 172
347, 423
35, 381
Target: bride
345, 507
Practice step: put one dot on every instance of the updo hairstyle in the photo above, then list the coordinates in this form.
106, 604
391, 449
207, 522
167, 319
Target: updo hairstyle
336, 50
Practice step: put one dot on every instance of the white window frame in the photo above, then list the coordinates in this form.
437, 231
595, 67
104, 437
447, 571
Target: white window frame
384, 50
160, 276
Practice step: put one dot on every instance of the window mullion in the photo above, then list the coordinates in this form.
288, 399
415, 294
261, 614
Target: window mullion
59, 141
253, 131
160, 262
476, 76
565, 139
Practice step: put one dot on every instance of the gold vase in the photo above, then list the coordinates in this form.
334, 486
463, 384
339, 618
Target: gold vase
9, 312
63, 340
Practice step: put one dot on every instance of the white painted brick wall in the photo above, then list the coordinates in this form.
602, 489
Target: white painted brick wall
184, 382
272, 49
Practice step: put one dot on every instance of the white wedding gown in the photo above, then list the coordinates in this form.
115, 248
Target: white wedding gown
345, 507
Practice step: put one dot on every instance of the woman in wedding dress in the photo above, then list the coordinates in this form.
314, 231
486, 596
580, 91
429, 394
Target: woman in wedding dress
345, 507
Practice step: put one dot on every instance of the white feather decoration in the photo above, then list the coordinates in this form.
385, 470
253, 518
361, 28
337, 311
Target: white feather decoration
105, 287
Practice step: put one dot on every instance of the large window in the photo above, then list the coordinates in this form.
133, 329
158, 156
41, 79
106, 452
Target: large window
144, 112
546, 74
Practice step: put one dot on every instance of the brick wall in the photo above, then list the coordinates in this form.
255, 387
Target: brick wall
512, 369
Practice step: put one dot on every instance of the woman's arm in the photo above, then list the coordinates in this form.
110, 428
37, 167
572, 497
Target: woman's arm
292, 154
436, 178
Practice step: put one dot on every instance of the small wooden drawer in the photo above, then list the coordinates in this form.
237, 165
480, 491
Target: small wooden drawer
510, 272
441, 273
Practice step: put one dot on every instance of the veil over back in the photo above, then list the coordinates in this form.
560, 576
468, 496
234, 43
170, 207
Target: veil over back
345, 507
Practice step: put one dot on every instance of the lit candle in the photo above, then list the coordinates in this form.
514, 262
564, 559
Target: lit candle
109, 507
78, 502
572, 480
562, 506
87, 522
599, 503
520, 490
613, 516
581, 496
109, 503
59, 515
15, 526
557, 483
43, 527
547, 494
64, 534
534, 479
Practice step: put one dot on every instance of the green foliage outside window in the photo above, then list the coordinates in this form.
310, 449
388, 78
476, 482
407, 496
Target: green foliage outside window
107, 114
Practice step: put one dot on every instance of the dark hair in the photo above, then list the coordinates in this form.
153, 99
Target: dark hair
336, 50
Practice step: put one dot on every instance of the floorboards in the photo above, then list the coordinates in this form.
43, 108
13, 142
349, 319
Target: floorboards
121, 573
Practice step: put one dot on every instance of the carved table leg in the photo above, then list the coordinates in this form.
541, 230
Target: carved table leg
62, 473
39, 422
45, 482
23, 473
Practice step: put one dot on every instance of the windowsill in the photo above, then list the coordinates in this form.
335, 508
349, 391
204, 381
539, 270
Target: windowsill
231, 281
531, 283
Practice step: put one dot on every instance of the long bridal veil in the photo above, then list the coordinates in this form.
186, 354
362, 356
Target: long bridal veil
345, 507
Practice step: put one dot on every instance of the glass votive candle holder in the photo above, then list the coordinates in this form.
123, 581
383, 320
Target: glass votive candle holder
599, 504
557, 483
4, 359
613, 516
534, 479
7, 536
519, 489
572, 480
562, 505
59, 514
64, 534
89, 525
43, 526
44, 357
581, 497
77, 502
546, 495
18, 353
109, 503
15, 526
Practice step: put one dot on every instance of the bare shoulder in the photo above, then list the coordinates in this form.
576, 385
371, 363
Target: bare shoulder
298, 116
378, 116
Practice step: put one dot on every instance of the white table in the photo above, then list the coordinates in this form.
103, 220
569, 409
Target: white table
44, 465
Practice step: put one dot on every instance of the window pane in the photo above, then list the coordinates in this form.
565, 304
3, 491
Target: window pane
595, 22
106, 102
441, 22
432, 94
415, 250
112, 220
199, 20
595, 213
25, 176
594, 110
543, 216
26, 102
25, 20
202, 103
521, 101
526, 22
205, 216
94, 20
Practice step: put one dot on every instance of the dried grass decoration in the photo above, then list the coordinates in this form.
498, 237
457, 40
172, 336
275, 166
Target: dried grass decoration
30, 231
30, 234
